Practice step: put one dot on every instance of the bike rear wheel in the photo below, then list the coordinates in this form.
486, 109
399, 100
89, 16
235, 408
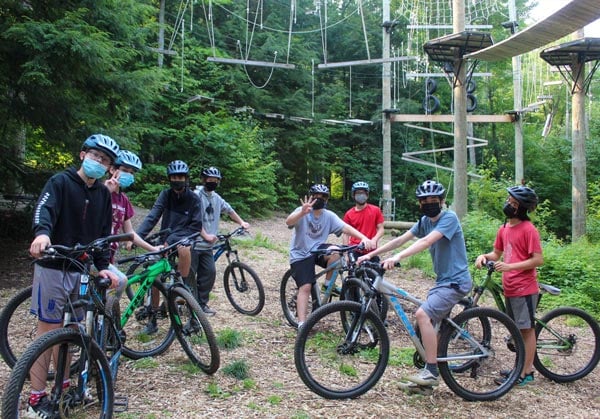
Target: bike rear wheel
478, 379
193, 330
568, 344
243, 288
288, 296
18, 327
148, 330
88, 395
330, 363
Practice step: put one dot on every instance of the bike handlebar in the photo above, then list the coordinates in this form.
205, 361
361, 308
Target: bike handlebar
186, 241
337, 249
97, 245
240, 231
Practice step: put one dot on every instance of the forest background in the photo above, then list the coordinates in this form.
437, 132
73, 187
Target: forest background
69, 69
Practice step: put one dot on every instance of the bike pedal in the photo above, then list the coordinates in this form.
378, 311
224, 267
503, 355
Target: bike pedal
121, 403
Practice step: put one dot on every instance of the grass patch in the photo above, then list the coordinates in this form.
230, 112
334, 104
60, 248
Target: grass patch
145, 364
216, 392
238, 369
274, 400
189, 368
229, 338
401, 356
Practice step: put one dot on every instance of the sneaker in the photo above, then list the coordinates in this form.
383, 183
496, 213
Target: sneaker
505, 373
521, 381
208, 311
424, 378
42, 409
150, 328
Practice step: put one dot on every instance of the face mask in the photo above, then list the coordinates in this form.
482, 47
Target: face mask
509, 211
211, 186
93, 169
319, 204
360, 198
177, 185
125, 179
431, 210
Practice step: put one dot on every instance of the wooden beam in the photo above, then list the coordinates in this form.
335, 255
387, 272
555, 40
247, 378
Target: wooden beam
249, 62
449, 118
366, 62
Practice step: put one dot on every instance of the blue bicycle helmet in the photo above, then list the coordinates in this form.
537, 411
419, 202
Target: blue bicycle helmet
103, 143
430, 188
319, 188
178, 167
127, 158
359, 185
211, 172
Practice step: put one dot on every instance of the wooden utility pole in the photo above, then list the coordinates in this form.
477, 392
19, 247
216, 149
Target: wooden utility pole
517, 99
578, 164
385, 118
459, 203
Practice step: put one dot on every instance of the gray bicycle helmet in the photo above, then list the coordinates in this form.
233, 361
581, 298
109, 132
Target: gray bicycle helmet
211, 172
177, 167
526, 196
127, 158
360, 185
430, 188
319, 188
103, 143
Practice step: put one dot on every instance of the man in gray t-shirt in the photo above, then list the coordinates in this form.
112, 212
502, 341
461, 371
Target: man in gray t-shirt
312, 224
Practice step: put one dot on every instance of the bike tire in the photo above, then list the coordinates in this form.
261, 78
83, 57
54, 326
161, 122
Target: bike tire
91, 398
18, 327
193, 330
139, 342
332, 367
354, 289
568, 344
243, 288
481, 380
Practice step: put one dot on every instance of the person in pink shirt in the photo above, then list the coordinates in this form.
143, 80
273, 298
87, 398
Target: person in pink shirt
517, 253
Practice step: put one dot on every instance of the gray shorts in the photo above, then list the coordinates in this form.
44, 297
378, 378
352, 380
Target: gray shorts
522, 310
441, 299
51, 287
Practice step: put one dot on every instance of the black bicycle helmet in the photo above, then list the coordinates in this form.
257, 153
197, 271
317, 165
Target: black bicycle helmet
430, 188
526, 196
359, 185
103, 143
127, 158
319, 188
211, 172
177, 167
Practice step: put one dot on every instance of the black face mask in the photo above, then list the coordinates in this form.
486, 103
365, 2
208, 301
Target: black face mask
211, 186
431, 210
178, 185
509, 211
319, 204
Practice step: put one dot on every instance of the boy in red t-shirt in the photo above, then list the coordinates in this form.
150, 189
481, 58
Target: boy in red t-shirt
518, 244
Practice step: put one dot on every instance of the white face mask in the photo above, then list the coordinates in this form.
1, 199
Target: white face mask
360, 198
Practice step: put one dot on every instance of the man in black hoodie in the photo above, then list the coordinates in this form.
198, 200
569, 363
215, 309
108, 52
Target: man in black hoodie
74, 207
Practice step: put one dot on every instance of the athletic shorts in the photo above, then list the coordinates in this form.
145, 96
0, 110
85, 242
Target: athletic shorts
51, 287
303, 271
522, 310
442, 298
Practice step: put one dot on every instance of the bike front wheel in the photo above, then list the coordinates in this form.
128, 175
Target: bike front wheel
147, 327
336, 363
243, 288
89, 394
193, 330
568, 344
473, 351
18, 327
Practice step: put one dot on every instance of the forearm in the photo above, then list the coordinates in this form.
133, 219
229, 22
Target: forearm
293, 218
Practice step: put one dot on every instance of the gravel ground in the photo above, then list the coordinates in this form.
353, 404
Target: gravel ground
166, 388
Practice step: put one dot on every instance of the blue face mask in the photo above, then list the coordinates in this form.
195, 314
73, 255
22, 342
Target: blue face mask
93, 169
125, 179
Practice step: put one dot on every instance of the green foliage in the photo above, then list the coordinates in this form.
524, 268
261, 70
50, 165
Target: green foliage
238, 369
480, 231
229, 338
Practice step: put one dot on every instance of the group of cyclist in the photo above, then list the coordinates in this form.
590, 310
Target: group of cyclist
75, 207
517, 252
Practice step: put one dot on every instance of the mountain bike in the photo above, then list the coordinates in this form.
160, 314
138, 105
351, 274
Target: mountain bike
173, 312
242, 285
18, 327
343, 348
323, 292
568, 338
86, 350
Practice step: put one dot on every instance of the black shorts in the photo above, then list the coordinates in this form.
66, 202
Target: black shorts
303, 271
